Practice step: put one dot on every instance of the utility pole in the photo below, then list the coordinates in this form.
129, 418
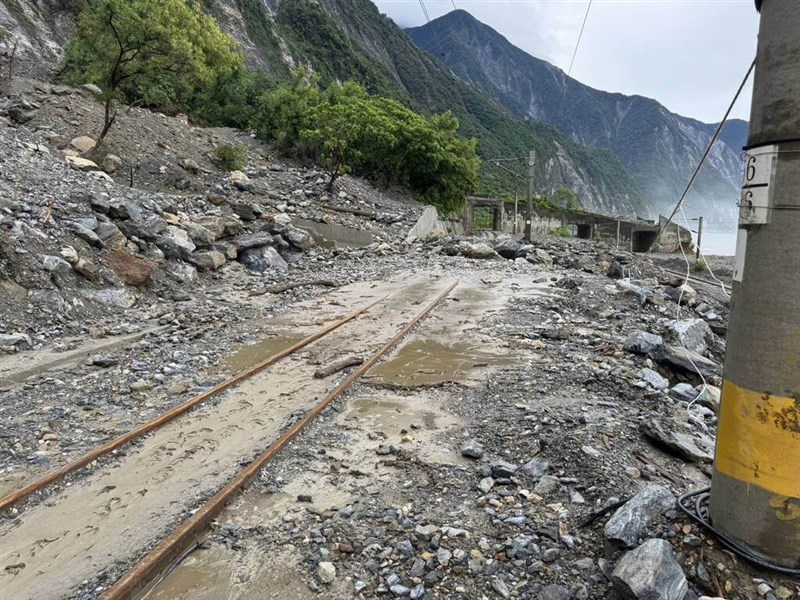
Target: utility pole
618, 225
529, 216
755, 490
516, 207
699, 237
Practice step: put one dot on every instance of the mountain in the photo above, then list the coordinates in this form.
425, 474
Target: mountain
659, 148
350, 39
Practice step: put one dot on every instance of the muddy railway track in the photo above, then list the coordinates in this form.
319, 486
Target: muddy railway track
185, 536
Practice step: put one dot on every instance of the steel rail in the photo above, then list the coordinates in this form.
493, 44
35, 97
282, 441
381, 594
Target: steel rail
169, 550
22, 493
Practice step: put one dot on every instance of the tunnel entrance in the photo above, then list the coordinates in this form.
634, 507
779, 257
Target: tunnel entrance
585, 231
642, 240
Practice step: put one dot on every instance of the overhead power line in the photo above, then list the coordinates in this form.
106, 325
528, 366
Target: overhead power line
580, 36
679, 205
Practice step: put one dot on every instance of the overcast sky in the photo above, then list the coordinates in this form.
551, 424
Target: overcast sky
690, 55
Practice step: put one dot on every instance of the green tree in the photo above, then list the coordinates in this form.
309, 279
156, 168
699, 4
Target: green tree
566, 198
283, 113
344, 126
157, 52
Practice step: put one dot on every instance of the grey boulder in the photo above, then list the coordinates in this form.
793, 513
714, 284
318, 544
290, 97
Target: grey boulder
630, 523
650, 572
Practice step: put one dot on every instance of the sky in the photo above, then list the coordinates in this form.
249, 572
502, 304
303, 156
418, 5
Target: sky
690, 55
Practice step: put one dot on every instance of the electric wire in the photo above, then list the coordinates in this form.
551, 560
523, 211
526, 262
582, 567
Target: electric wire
702, 161
578, 44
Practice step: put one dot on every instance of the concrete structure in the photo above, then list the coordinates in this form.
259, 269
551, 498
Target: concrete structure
495, 204
755, 490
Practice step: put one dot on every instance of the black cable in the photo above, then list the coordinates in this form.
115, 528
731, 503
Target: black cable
699, 513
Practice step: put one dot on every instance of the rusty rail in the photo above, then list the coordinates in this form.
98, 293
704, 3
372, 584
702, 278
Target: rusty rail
168, 551
22, 493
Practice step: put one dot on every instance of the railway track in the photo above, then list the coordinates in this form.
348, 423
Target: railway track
195, 456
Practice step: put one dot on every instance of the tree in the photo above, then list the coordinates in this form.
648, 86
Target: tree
344, 125
157, 52
566, 198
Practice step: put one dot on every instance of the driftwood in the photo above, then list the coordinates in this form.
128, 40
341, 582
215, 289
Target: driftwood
594, 516
350, 211
339, 365
279, 288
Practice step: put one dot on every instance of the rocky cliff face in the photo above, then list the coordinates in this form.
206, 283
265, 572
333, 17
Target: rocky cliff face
350, 39
659, 148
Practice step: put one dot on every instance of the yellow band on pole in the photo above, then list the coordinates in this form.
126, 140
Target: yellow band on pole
758, 441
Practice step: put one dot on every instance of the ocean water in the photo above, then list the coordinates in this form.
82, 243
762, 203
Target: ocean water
717, 243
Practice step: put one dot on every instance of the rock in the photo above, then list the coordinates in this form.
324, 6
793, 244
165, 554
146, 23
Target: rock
208, 261
486, 484
86, 268
535, 467
499, 586
425, 532
190, 166
15, 339
694, 334
202, 237
399, 590
57, 265
181, 239
92, 89
616, 271
82, 164
184, 273
298, 238
554, 592
541, 257
246, 211
417, 592
83, 143
650, 573
686, 360
132, 270
110, 235
472, 449
502, 469
326, 572
682, 445
111, 163
84, 233
643, 342
550, 555
683, 391
629, 524
591, 451
125, 210
114, 297
547, 485
507, 246
480, 251
709, 396
653, 379
263, 259
255, 240
22, 113
104, 362
443, 556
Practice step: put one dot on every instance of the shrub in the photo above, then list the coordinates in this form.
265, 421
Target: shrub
562, 231
230, 158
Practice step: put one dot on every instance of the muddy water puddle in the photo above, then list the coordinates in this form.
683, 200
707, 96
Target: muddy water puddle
247, 356
424, 362
221, 574
332, 235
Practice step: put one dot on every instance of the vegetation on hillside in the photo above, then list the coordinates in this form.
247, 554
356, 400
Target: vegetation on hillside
154, 52
350, 131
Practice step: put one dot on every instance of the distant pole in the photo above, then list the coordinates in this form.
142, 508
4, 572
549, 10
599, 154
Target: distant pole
516, 206
699, 237
755, 488
529, 216
618, 226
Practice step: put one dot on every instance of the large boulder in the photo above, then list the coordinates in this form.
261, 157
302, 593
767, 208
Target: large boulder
507, 246
263, 259
175, 243
684, 359
202, 237
629, 524
132, 270
254, 240
83, 143
650, 573
298, 238
643, 342
82, 164
208, 261
694, 334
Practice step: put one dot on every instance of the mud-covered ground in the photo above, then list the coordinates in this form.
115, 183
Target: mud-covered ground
484, 458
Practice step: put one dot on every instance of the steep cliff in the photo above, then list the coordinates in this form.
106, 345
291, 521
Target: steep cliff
659, 148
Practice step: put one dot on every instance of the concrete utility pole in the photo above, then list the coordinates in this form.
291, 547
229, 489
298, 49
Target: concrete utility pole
699, 237
755, 491
529, 216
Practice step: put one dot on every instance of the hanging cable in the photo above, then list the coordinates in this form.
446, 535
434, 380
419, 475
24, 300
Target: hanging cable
580, 36
699, 166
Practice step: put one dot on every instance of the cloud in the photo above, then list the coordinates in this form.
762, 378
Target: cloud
690, 55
